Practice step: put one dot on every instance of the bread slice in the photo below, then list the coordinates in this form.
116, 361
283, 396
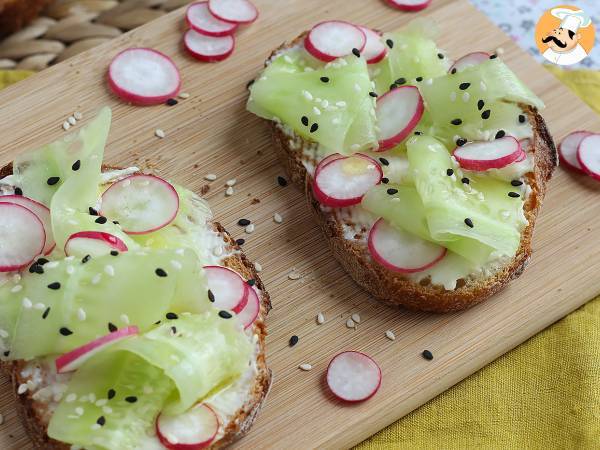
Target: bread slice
392, 288
36, 414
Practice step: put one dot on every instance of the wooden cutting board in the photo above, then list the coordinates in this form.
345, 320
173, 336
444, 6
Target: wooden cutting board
212, 133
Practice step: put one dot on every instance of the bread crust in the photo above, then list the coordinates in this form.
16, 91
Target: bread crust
34, 414
390, 287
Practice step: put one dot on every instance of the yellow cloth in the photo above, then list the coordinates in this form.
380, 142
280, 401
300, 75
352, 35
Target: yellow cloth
545, 394
8, 77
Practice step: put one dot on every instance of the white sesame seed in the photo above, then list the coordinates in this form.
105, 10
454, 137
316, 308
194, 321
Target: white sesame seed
218, 251
78, 115
355, 317
308, 69
16, 278
231, 182
70, 270
66, 125
71, 398
96, 279
357, 87
176, 264
390, 335
306, 367
210, 177
466, 96
307, 95
350, 323
81, 314
483, 86
229, 191
125, 319
320, 318
159, 133
354, 147
499, 51
293, 275
39, 306
51, 265
324, 103
429, 81
340, 104
92, 397
316, 110
257, 267
95, 426
79, 411
184, 95
22, 388
101, 402
107, 410
277, 218
16, 288
287, 59
27, 303
452, 96
335, 121
72, 120
249, 229
109, 270
180, 251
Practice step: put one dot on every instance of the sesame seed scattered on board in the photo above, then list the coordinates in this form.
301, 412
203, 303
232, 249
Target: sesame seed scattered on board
72, 120
22, 388
210, 177
257, 267
355, 317
277, 218
249, 229
218, 251
229, 191
78, 115
231, 182
390, 335
306, 367
293, 275
159, 133
66, 125
350, 323
320, 318
184, 95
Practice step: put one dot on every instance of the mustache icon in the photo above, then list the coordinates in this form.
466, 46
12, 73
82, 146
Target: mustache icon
558, 42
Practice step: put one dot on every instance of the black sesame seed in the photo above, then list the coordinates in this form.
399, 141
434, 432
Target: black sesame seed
373, 94
418, 133
251, 282
390, 43
461, 141
453, 71
18, 191
157, 322
85, 259
427, 355
463, 86
400, 81
65, 331
304, 120
469, 222
456, 121
449, 172
494, 56
385, 180
500, 134
76, 165
131, 399
101, 421
46, 312
324, 79
480, 105
465, 180
101, 220
171, 316
36, 268
92, 211
225, 315
243, 222
384, 161
516, 183
356, 52
240, 241
173, 331
393, 86
392, 191
419, 79
521, 118
112, 327
116, 222
282, 181
111, 394
211, 296
172, 102
314, 127
54, 286
486, 114
52, 181
42, 261
440, 56
293, 340
160, 272
114, 253
6, 353
514, 194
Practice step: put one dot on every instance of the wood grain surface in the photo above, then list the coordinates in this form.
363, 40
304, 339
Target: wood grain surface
211, 132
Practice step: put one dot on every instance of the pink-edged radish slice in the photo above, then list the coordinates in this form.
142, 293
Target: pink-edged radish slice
42, 213
93, 243
208, 48
401, 251
410, 5
353, 376
469, 60
22, 237
199, 18
140, 203
74, 359
375, 50
588, 155
335, 156
192, 430
344, 181
143, 76
227, 289
249, 313
486, 155
522, 157
567, 150
235, 11
333, 39
398, 113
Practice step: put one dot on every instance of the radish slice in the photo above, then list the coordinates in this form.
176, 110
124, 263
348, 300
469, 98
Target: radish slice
207, 48
401, 251
588, 155
486, 155
344, 181
410, 5
199, 18
228, 290
334, 39
75, 358
374, 50
40, 211
248, 315
143, 76
522, 157
236, 11
353, 376
567, 150
327, 160
398, 113
22, 237
141, 203
469, 60
191, 430
93, 243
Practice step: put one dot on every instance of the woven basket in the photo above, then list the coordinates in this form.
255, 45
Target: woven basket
68, 27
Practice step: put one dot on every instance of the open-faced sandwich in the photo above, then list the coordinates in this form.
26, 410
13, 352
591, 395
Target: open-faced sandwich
129, 319
425, 176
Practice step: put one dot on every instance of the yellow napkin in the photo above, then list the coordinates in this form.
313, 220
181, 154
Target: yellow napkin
545, 394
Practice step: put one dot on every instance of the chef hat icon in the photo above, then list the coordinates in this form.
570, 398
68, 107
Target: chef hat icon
570, 19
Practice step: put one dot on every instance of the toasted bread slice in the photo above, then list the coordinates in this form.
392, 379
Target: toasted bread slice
296, 154
36, 412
